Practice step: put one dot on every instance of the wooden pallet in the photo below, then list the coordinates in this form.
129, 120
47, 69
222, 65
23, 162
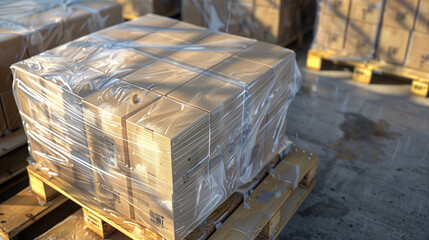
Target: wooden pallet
365, 71
24, 210
274, 209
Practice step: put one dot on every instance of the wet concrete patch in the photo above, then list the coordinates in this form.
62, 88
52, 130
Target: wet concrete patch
330, 209
362, 139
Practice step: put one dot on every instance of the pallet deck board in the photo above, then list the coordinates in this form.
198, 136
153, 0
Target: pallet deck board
22, 210
364, 70
251, 217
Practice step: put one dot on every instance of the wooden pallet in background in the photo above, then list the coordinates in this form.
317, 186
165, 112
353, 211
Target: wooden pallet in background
274, 209
366, 71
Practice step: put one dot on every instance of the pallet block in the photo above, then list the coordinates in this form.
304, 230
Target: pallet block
274, 212
364, 71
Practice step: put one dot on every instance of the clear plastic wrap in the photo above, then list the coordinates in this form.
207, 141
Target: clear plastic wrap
348, 29
29, 27
156, 121
272, 21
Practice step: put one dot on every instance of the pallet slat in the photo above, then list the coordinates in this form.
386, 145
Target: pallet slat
22, 210
252, 216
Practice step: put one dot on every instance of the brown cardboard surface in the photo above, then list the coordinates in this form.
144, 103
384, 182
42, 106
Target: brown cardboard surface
155, 134
400, 14
418, 53
10, 110
161, 77
366, 10
360, 38
392, 45
339, 8
422, 21
266, 20
12, 48
108, 11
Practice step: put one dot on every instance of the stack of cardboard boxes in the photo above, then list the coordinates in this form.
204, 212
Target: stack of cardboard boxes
349, 26
418, 52
274, 21
390, 31
404, 33
155, 120
25, 33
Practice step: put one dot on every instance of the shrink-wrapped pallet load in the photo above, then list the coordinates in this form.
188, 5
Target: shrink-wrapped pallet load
29, 27
156, 121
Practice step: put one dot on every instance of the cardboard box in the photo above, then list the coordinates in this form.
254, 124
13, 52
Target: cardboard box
392, 45
104, 13
418, 53
222, 100
173, 215
400, 14
166, 140
211, 46
272, 21
13, 48
160, 77
10, 110
422, 21
366, 10
361, 39
331, 36
339, 8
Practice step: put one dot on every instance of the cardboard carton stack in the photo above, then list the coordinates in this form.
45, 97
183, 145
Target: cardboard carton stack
28, 28
266, 20
398, 23
418, 51
154, 120
349, 27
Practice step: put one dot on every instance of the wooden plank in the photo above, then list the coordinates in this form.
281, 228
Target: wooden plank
132, 230
22, 210
73, 227
251, 217
12, 141
289, 207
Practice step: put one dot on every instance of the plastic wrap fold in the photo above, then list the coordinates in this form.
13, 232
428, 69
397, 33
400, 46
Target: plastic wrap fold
156, 121
275, 21
29, 27
348, 29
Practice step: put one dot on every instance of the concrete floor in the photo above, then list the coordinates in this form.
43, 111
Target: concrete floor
373, 146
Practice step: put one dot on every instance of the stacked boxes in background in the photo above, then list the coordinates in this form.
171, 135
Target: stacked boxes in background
28, 28
266, 20
135, 8
418, 52
363, 27
398, 23
349, 27
154, 120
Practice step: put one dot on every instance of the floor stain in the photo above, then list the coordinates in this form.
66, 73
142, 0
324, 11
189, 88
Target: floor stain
361, 140
330, 209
